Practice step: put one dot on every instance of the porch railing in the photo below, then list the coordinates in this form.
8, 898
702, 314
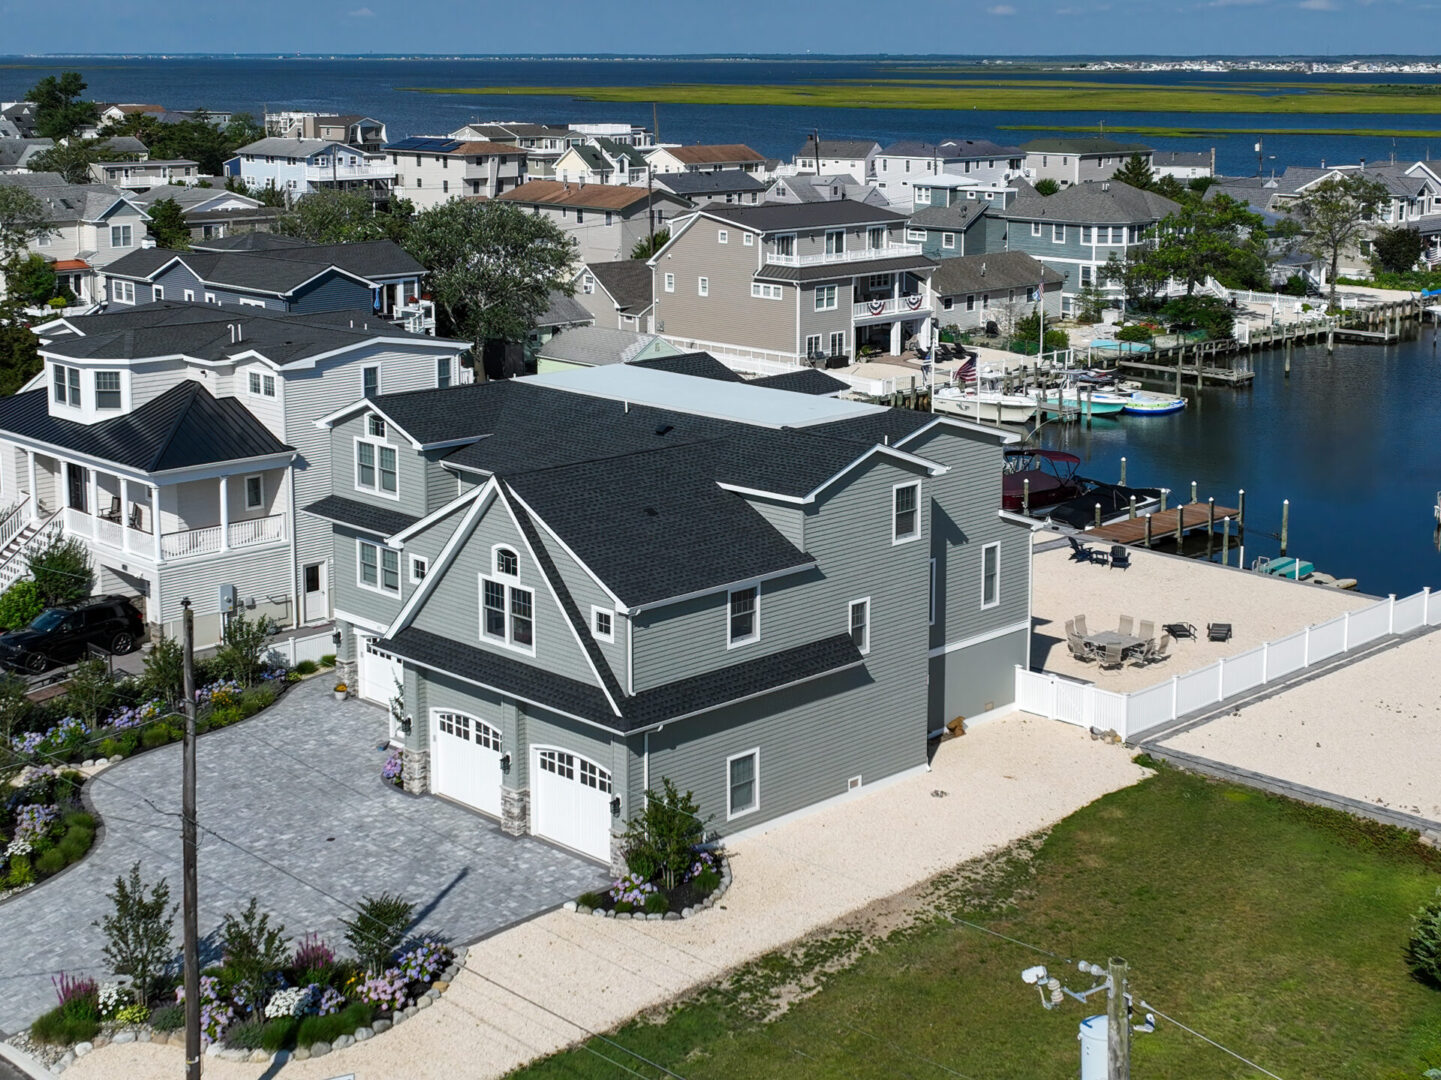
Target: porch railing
18, 564
890, 305
264, 530
206, 541
15, 520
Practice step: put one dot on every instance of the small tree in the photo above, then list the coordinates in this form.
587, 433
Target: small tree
91, 690
1396, 250
1136, 173
253, 951
1423, 951
29, 279
660, 841
59, 109
71, 159
61, 571
22, 220
242, 656
19, 604
1334, 214
164, 673
378, 929
649, 245
138, 934
1047, 186
168, 226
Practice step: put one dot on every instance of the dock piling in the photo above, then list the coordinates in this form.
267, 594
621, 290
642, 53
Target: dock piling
1098, 515
1164, 493
1241, 509
1132, 516
1225, 541
1025, 495
1123, 472
1148, 528
1210, 524
1193, 491
1285, 524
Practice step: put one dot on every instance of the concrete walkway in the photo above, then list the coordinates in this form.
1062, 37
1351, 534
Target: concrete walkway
301, 819
539, 986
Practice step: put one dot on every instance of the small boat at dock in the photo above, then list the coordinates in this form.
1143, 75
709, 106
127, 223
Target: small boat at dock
988, 406
1149, 403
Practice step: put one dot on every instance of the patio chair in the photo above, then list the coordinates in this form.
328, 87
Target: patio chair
1120, 556
1126, 625
1080, 622
113, 514
1079, 551
1179, 629
1160, 650
137, 513
1113, 657
1078, 648
1218, 631
1147, 629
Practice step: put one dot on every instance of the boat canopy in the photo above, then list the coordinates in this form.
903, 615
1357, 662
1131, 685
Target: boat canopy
1057, 457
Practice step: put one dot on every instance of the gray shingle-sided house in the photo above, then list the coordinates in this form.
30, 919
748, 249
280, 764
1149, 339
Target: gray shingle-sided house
769, 598
703, 188
617, 293
854, 157
177, 440
212, 213
996, 286
1078, 159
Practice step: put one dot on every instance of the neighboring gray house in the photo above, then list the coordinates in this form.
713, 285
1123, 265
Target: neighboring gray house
280, 273
606, 220
597, 346
617, 293
810, 188
998, 286
945, 232
1078, 229
213, 213
178, 440
1078, 159
704, 188
562, 313
15, 154
905, 163
771, 599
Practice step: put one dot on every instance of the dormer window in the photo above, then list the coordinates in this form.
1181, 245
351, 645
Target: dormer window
107, 389
375, 426
67, 385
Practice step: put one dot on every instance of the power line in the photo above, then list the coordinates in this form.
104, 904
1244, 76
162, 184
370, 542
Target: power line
1245, 1061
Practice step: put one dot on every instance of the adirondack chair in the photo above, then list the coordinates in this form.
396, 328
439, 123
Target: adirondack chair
1126, 625
1113, 657
1079, 551
1120, 556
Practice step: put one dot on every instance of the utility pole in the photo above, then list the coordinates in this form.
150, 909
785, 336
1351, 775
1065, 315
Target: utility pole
190, 903
1118, 1024
816, 136
655, 123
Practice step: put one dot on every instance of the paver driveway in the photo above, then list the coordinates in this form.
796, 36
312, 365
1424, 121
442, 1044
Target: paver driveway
307, 826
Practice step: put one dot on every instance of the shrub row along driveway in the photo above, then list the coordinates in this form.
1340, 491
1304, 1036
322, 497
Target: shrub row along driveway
301, 819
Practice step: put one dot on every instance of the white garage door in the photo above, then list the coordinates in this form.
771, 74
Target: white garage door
570, 802
465, 760
379, 672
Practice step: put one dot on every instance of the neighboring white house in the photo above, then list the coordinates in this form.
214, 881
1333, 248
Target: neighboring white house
1184, 164
300, 166
844, 157
143, 175
900, 165
667, 159
430, 170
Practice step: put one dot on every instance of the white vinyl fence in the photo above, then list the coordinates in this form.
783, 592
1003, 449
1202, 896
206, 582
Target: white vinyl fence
1128, 714
293, 650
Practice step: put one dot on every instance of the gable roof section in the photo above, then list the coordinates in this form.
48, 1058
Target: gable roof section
182, 428
582, 196
699, 365
564, 311
359, 515
837, 148
720, 181
628, 281
275, 268
991, 271
1083, 146
1096, 201
595, 345
714, 154
804, 381
958, 216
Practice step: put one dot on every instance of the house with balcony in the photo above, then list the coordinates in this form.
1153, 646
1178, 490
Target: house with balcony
543, 143
143, 175
777, 285
1077, 230
298, 166
771, 599
1079, 159
838, 157
969, 291
430, 170
90, 226
699, 158
177, 441
601, 161
280, 273
212, 213
730, 186
901, 165
352, 129
606, 220
616, 294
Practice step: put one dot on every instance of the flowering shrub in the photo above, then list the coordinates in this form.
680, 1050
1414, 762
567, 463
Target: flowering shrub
136, 715
631, 890
18, 846
330, 1001
425, 962
28, 744
386, 992
219, 694
35, 821
392, 771
132, 1014
705, 862
113, 998
71, 989
312, 954
292, 1001
215, 1015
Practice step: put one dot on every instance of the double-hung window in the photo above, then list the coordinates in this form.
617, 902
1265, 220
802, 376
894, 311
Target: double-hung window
507, 611
1086, 232
826, 297
1035, 228
742, 783
379, 567
990, 575
859, 624
948, 240
375, 468
370, 382
905, 512
255, 492
121, 236
442, 371
1058, 234
722, 236
702, 286
67, 385
107, 389
670, 283
743, 615
261, 385
835, 242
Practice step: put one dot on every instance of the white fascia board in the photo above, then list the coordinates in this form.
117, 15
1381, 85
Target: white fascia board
339, 270
932, 468
483, 496
399, 539
1004, 438
126, 361
727, 587
39, 329
679, 226
1014, 518
365, 405
450, 347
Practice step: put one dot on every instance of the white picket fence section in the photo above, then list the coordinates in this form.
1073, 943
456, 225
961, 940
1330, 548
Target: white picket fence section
1057, 697
292, 651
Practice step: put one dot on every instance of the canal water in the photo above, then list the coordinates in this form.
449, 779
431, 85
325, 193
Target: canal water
1349, 437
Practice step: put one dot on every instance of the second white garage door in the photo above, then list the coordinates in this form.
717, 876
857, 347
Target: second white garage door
465, 760
570, 802
379, 672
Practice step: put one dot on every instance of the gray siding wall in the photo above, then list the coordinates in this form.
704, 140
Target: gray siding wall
786, 519
152, 380
825, 323
587, 595
411, 481
453, 608
975, 680
441, 485
346, 592
332, 292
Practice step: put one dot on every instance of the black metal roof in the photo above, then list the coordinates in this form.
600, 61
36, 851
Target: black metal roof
770, 217
183, 427
359, 515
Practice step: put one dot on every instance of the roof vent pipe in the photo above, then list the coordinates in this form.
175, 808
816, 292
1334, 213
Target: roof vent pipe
239, 331
231, 328
886, 440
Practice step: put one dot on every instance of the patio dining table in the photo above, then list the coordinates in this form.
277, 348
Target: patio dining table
1098, 641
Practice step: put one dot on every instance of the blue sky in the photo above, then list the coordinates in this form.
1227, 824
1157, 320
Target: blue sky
990, 27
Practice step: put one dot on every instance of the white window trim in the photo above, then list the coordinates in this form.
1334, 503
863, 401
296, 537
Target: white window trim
377, 490
416, 579
722, 236
595, 610
379, 586
119, 390
378, 388
916, 236
748, 239
245, 484
495, 570
761, 290
833, 291
866, 647
731, 812
1058, 234
189, 296
507, 584
1035, 228
702, 286
996, 545
948, 240
917, 511
157, 292
669, 283
755, 634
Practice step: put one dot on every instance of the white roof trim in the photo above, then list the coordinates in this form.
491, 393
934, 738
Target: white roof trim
482, 495
541, 523
727, 587
932, 468
399, 539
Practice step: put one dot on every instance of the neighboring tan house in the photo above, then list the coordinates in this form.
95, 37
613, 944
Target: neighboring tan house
430, 170
178, 440
606, 220
1079, 159
90, 227
772, 599
363, 132
1077, 230
783, 284
838, 157
898, 167
601, 161
669, 159
617, 294
999, 286
213, 213
810, 188
704, 188
543, 144
300, 166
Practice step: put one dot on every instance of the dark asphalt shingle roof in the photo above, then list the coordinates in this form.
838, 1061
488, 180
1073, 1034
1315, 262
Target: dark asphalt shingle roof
1097, 201
274, 269
710, 183
564, 311
991, 271
1083, 145
804, 381
629, 282
701, 365
958, 215
359, 515
182, 427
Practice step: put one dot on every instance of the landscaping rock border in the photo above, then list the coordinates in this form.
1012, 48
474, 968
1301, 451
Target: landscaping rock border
669, 916
58, 1058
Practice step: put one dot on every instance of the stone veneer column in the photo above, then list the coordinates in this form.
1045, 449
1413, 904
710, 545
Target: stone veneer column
415, 770
617, 855
515, 811
347, 665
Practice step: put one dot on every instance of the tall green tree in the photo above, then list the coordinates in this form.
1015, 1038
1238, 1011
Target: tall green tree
71, 159
1136, 173
1396, 250
29, 279
60, 111
1334, 214
1218, 238
491, 266
647, 246
22, 220
342, 216
1047, 186
168, 226
19, 356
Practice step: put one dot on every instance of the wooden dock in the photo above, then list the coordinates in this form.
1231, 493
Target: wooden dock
1166, 523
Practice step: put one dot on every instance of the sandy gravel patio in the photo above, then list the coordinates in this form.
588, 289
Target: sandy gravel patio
1165, 588
526, 991
1369, 731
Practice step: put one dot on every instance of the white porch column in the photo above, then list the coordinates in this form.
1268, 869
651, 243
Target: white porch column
124, 514
155, 521
225, 513
896, 337
90, 506
34, 491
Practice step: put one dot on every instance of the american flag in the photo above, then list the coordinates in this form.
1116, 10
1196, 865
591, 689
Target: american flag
966, 372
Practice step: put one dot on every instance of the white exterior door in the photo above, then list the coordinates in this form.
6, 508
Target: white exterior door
465, 760
379, 672
316, 603
570, 802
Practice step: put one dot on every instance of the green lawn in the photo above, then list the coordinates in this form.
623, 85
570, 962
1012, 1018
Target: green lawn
1272, 927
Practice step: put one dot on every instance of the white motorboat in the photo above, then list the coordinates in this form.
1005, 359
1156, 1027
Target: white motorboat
987, 406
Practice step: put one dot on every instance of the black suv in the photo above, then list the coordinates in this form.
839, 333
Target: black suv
62, 635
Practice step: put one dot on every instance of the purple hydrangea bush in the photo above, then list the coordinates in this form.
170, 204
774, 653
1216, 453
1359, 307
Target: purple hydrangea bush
387, 992
392, 772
